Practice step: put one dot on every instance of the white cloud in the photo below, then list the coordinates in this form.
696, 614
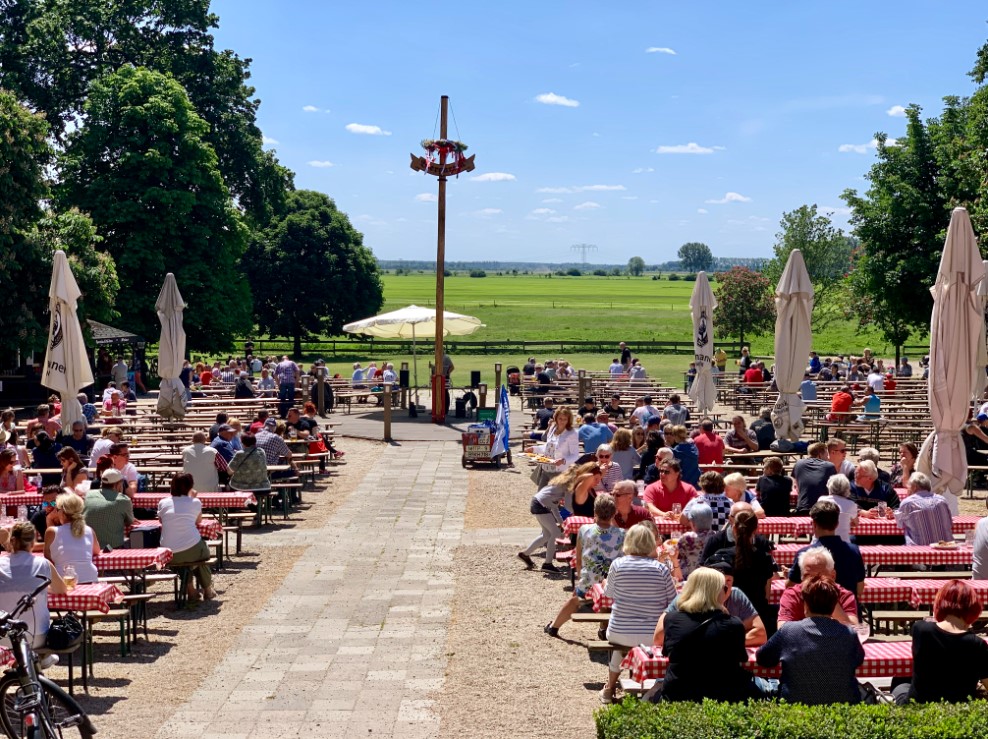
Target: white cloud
863, 148
427, 197
660, 50
487, 212
323, 164
553, 200
589, 205
551, 98
560, 190
702, 211
310, 108
897, 111
557, 219
494, 177
366, 130
640, 170
543, 212
731, 197
268, 140
629, 197
691, 148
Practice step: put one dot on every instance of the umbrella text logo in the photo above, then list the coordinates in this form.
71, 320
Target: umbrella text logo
701, 330
56, 330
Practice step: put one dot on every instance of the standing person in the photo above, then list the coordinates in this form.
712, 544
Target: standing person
625, 356
811, 474
287, 373
137, 367
720, 359
104, 369
562, 446
744, 363
119, 372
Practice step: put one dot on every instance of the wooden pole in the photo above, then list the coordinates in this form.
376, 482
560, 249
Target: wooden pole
386, 399
438, 389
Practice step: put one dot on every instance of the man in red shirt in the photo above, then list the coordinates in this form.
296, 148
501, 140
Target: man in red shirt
669, 490
709, 444
628, 514
753, 375
817, 561
840, 404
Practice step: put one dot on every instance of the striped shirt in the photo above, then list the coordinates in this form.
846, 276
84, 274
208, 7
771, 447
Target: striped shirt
924, 518
642, 589
610, 477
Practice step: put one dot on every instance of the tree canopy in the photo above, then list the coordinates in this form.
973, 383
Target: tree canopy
141, 168
695, 256
744, 304
310, 271
636, 265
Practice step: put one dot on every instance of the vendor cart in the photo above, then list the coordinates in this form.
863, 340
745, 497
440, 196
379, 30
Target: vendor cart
478, 441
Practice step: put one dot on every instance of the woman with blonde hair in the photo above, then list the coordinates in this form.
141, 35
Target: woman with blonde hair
641, 588
19, 573
625, 455
704, 645
71, 542
562, 446
574, 482
736, 488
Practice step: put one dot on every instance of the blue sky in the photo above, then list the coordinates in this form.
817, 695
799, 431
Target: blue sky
634, 126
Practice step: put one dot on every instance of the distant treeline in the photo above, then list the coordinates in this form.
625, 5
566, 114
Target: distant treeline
721, 264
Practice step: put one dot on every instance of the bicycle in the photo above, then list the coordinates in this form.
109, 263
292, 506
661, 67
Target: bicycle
31, 705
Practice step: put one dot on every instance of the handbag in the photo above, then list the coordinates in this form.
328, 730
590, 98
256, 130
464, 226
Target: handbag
317, 447
64, 633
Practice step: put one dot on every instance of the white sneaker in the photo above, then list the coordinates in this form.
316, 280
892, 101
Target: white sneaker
49, 661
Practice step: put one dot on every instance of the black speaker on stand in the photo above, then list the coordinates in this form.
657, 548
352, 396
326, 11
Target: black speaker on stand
474, 378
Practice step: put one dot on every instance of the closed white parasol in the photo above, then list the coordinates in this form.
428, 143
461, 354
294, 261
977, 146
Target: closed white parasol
793, 339
171, 350
702, 304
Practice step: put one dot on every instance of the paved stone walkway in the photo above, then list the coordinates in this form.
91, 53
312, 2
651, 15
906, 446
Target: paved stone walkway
352, 644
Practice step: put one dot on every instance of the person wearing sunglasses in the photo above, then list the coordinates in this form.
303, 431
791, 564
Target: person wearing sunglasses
43, 515
662, 496
610, 473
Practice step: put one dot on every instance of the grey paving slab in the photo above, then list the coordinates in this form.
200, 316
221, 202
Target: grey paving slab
351, 644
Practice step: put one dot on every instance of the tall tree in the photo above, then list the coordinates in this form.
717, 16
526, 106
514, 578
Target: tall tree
826, 251
636, 265
695, 256
341, 282
52, 51
141, 168
901, 222
744, 304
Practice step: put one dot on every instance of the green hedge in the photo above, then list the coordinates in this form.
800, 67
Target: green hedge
633, 719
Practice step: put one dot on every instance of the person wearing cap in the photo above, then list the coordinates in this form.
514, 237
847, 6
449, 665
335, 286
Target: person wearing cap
223, 443
645, 410
199, 460
614, 408
589, 407
274, 448
108, 511
594, 432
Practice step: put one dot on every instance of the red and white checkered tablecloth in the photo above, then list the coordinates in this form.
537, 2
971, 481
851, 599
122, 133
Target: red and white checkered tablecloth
7, 657
209, 528
876, 590
229, 499
97, 596
891, 555
924, 592
892, 659
133, 559
572, 524
16, 499
600, 601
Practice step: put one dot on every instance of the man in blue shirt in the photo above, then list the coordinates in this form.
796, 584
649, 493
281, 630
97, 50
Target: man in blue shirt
222, 443
814, 363
594, 432
849, 566
807, 388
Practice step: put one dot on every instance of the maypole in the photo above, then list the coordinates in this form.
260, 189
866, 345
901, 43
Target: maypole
444, 157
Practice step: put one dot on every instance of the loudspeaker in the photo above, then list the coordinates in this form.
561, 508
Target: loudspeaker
404, 378
474, 378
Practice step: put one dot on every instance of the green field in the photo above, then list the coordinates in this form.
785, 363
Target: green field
534, 307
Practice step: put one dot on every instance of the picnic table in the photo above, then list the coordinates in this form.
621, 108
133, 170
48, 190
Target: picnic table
123, 560
882, 659
925, 591
877, 556
209, 528
210, 501
95, 596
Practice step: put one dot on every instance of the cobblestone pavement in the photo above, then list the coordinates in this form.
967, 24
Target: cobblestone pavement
351, 644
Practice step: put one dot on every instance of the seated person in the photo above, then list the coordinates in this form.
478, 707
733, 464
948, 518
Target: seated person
690, 545
739, 438
668, 491
948, 659
868, 491
924, 516
774, 488
542, 418
108, 511
871, 405
126, 394
45, 514
72, 542
19, 573
840, 405
180, 515
819, 655
764, 429
814, 562
114, 406
736, 488
249, 468
628, 514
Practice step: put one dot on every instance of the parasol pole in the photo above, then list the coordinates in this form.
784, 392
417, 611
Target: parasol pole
438, 391
415, 365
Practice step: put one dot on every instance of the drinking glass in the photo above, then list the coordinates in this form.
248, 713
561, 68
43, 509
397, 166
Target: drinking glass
70, 577
863, 631
677, 509
882, 509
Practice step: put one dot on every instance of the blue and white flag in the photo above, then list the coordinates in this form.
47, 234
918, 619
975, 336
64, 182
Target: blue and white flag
500, 445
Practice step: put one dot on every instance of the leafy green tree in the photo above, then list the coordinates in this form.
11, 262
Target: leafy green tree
695, 256
52, 51
745, 305
636, 265
826, 251
316, 241
901, 222
141, 168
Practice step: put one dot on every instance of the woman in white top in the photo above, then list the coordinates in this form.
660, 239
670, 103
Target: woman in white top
19, 576
179, 516
562, 445
839, 488
71, 542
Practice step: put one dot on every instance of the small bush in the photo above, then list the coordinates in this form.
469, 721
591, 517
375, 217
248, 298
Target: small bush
574, 272
600, 272
633, 719
656, 277
447, 273
478, 273
673, 277
689, 278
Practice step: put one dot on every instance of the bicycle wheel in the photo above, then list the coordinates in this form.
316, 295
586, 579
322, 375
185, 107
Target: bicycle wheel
67, 717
